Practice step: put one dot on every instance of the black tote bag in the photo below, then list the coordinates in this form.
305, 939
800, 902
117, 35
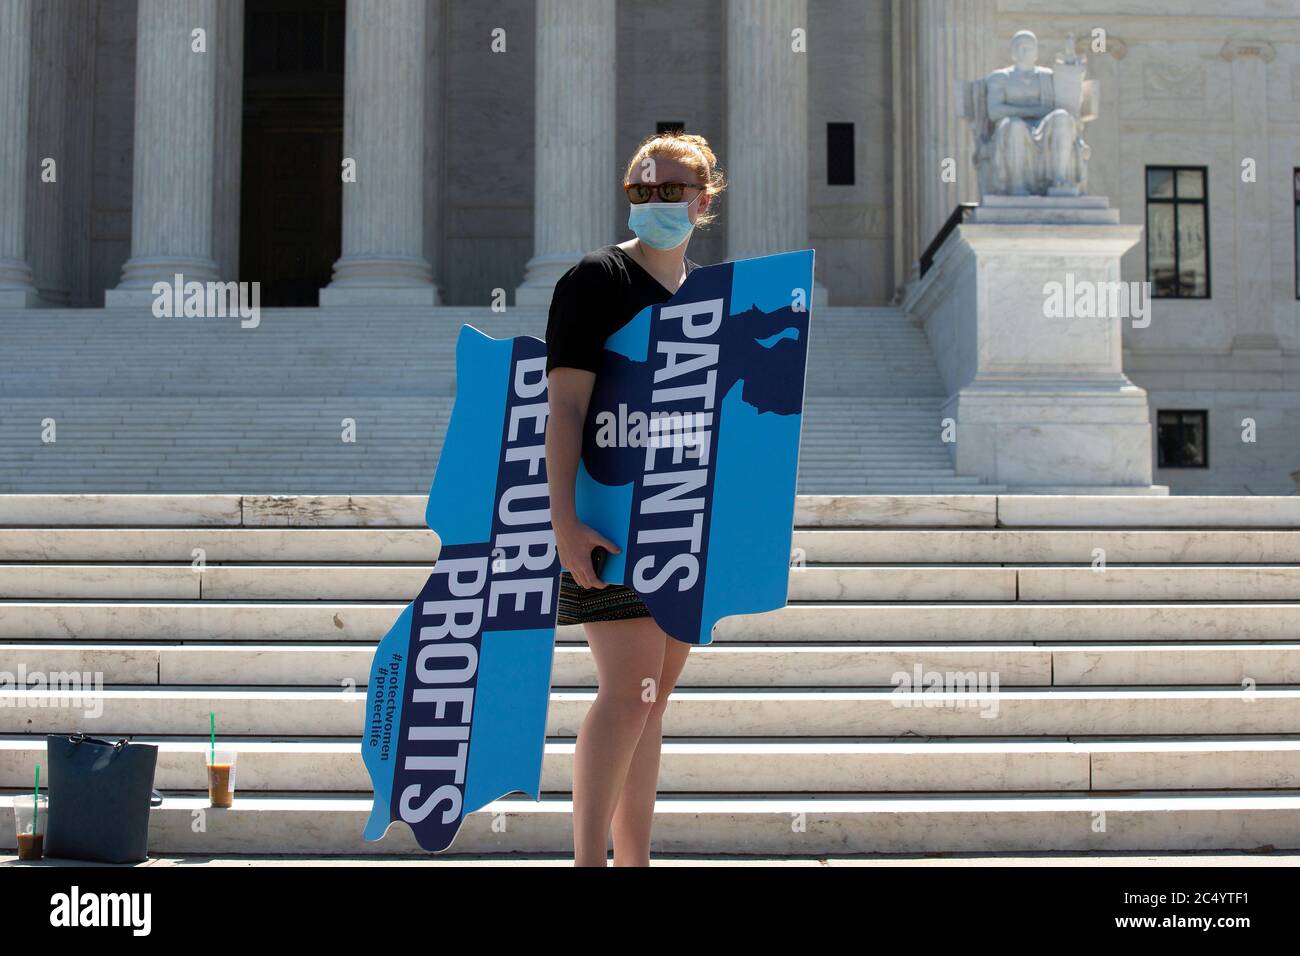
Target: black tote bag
99, 798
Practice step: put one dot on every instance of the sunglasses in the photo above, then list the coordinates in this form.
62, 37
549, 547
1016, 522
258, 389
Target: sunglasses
638, 193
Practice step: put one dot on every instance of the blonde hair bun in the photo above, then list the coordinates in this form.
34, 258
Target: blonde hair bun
691, 150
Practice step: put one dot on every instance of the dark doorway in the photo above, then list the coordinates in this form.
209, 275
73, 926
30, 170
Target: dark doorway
291, 202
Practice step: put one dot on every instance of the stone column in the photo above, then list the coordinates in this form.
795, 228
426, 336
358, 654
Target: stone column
575, 171
52, 28
383, 259
1253, 212
229, 120
767, 130
955, 43
436, 196
80, 52
906, 218
174, 158
16, 288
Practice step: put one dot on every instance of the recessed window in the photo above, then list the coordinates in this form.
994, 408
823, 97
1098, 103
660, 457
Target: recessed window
839, 154
670, 126
1182, 439
1178, 243
1296, 174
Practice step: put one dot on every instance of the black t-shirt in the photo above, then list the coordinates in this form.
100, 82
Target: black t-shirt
593, 300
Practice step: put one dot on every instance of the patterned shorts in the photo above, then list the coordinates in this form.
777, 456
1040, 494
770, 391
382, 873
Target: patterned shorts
613, 602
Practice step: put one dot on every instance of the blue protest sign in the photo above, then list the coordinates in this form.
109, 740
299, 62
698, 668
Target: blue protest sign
691, 448
689, 463
456, 709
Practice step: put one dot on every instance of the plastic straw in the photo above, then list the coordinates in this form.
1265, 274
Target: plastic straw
212, 730
36, 810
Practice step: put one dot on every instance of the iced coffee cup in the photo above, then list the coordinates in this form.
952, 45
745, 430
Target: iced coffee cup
221, 778
29, 820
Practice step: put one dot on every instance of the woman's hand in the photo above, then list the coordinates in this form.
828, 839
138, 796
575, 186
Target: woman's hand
575, 541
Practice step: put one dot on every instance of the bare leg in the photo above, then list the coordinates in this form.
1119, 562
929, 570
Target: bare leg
629, 661
634, 815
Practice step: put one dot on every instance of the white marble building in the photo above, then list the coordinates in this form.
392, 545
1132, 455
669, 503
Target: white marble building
491, 135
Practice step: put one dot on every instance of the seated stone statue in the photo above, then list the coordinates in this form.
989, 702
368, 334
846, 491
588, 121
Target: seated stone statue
1028, 123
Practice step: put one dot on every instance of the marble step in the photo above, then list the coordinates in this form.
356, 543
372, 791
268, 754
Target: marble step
920, 458
191, 510
716, 665
387, 582
1024, 512
851, 480
880, 405
1154, 511
987, 623
1034, 512
919, 421
1120, 547
886, 486
343, 544
702, 765
923, 468
1011, 623
1258, 583
828, 823
277, 429
877, 449
939, 480
901, 449
315, 477
902, 364
785, 712
299, 437
195, 510
851, 485
218, 544
160, 391
403, 583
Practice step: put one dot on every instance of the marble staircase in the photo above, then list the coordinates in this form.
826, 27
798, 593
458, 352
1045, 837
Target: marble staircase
1148, 703
141, 404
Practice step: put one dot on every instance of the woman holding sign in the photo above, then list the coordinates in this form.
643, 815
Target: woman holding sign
670, 183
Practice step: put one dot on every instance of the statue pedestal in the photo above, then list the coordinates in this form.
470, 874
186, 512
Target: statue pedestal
1040, 399
1065, 210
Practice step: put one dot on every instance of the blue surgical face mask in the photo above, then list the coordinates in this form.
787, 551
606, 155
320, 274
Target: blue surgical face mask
661, 225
